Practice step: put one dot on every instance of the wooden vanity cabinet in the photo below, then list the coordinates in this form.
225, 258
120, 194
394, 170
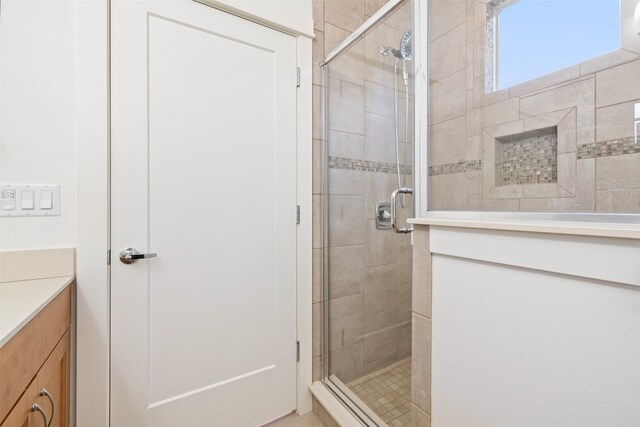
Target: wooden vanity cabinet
34, 369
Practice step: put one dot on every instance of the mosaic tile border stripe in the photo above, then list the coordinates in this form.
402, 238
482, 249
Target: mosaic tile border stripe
614, 147
346, 163
451, 168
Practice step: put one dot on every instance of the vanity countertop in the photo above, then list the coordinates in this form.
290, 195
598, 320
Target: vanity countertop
620, 226
22, 301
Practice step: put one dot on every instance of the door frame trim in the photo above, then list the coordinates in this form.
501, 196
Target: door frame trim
92, 389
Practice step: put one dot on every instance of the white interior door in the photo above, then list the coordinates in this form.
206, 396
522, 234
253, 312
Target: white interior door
204, 175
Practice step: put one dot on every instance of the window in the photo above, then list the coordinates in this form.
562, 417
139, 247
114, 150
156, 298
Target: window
530, 38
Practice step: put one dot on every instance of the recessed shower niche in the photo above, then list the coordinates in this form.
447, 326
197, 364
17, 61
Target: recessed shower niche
527, 158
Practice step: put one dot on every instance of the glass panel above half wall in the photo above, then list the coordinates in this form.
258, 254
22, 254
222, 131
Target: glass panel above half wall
565, 141
369, 145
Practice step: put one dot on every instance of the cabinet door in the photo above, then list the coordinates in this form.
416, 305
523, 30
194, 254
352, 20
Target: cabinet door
54, 378
21, 415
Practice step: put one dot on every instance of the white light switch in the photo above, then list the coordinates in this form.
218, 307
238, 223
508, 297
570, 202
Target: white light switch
30, 200
26, 200
46, 199
8, 205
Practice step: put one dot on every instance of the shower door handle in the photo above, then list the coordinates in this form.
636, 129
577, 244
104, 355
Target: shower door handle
394, 219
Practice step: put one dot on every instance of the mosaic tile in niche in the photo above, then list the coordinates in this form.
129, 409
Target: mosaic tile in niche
527, 158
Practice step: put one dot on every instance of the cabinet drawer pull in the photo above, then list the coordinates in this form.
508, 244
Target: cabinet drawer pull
38, 408
44, 392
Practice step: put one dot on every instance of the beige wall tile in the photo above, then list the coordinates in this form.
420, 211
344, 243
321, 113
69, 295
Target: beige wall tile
378, 68
346, 273
568, 133
381, 344
349, 66
346, 107
404, 261
618, 172
344, 144
502, 112
579, 95
318, 275
318, 166
317, 57
347, 363
317, 337
381, 321
473, 150
618, 201
345, 217
346, 321
474, 117
318, 129
372, 6
318, 14
381, 363
419, 417
379, 99
448, 192
404, 342
479, 41
447, 142
421, 363
421, 298
404, 303
547, 80
448, 53
615, 86
450, 95
316, 374
445, 15
346, 14
380, 246
380, 288
616, 121
567, 173
347, 182
379, 138
501, 205
603, 62
317, 220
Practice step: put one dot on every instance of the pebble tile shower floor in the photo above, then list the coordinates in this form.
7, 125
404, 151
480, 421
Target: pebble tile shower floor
388, 393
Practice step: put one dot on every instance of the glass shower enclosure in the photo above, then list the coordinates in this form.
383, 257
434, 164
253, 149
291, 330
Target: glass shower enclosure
368, 134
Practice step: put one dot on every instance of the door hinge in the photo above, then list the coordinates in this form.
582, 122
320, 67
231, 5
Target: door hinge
108, 256
297, 351
298, 77
298, 214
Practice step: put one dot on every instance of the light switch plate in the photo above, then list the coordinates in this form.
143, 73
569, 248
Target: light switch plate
11, 203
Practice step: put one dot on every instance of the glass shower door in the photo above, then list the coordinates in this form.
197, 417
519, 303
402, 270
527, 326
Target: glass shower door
369, 144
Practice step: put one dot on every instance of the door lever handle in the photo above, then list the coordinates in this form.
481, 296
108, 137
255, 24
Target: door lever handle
131, 255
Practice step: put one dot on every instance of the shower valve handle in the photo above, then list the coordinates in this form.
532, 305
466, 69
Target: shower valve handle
394, 222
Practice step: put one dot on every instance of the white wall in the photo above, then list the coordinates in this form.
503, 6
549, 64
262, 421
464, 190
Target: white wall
37, 116
522, 347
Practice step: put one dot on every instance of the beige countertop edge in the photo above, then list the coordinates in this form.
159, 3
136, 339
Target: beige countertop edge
591, 229
34, 295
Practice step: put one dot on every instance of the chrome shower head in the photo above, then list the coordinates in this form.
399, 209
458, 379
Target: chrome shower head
406, 52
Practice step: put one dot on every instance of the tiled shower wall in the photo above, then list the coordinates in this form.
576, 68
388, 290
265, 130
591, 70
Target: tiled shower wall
370, 269
591, 104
